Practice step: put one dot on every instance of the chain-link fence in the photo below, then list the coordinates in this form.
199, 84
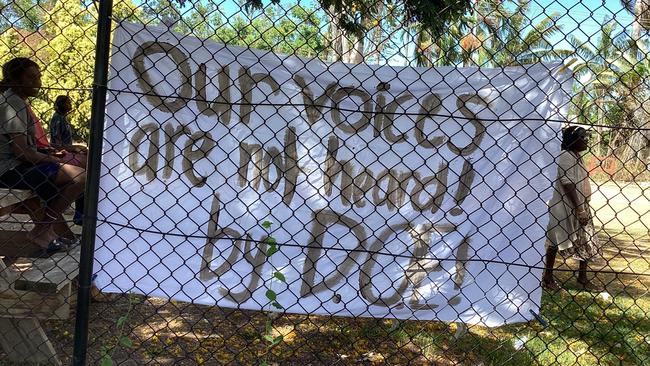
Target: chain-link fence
324, 183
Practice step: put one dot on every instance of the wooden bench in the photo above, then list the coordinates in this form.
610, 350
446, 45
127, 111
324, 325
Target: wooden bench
31, 289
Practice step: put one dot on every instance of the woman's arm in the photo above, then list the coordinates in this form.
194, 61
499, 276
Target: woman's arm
78, 149
571, 192
23, 152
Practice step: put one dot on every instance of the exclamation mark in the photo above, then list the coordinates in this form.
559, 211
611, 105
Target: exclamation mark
464, 186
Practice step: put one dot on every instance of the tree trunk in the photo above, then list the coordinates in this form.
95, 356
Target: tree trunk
335, 37
640, 23
599, 128
356, 52
642, 15
378, 42
423, 49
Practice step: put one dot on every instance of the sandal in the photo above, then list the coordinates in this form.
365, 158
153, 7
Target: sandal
70, 243
54, 247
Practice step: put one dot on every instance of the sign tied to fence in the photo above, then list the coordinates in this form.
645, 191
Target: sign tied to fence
411, 193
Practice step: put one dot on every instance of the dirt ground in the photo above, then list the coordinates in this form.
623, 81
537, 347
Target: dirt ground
154, 331
622, 206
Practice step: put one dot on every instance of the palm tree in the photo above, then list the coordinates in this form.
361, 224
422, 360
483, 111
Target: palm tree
633, 92
506, 39
641, 11
497, 36
596, 72
613, 76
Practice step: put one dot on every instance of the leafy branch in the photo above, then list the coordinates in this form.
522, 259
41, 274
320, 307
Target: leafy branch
272, 296
123, 340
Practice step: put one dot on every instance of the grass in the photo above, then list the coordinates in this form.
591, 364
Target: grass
584, 328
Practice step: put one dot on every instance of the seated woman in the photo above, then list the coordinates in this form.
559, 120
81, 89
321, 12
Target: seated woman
60, 129
63, 148
69, 154
23, 166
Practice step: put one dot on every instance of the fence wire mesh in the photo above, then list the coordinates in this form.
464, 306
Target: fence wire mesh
231, 271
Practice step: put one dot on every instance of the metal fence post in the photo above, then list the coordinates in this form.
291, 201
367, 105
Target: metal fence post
92, 180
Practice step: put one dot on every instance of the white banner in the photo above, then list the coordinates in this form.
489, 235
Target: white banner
400, 192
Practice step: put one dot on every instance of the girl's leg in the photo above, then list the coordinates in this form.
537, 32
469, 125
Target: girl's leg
31, 206
78, 211
43, 232
582, 276
71, 181
548, 280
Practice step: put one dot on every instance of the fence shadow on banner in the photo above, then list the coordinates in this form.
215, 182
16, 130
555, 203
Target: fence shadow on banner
328, 183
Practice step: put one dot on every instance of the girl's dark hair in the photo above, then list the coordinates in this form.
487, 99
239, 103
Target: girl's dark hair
59, 103
570, 135
13, 70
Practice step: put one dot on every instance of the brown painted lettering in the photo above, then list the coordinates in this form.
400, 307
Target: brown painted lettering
291, 168
191, 156
365, 281
379, 194
421, 183
420, 267
394, 194
172, 135
148, 132
314, 107
322, 220
479, 128
273, 158
389, 118
257, 262
236, 251
221, 106
431, 104
247, 82
363, 122
250, 153
363, 183
462, 254
214, 234
464, 186
163, 102
379, 108
331, 165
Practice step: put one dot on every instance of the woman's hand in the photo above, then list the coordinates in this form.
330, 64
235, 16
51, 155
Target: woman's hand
78, 149
59, 153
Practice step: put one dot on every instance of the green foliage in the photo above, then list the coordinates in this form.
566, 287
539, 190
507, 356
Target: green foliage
64, 47
69, 44
280, 276
495, 33
23, 14
434, 15
271, 295
123, 340
508, 36
273, 246
295, 32
611, 91
61, 37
